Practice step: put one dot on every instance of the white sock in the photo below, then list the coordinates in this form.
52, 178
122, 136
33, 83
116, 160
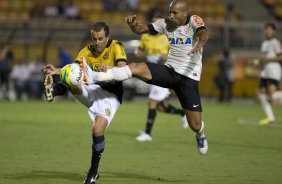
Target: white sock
116, 73
266, 107
201, 131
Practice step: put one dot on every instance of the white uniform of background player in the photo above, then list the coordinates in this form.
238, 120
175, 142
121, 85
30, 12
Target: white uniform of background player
271, 73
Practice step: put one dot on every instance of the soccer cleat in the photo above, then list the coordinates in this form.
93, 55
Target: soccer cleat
91, 178
143, 137
202, 144
48, 85
184, 122
265, 122
87, 71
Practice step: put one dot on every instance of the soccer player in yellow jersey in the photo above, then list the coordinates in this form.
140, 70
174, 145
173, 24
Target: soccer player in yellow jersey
155, 49
102, 98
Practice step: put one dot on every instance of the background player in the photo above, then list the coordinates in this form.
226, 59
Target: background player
155, 49
271, 73
187, 36
102, 99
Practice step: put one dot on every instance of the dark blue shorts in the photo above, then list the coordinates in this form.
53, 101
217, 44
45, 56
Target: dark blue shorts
186, 89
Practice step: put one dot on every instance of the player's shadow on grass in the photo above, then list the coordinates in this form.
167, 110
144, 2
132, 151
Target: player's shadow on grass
141, 177
34, 175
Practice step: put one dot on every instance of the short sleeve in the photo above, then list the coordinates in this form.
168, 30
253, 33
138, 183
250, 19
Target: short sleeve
84, 52
197, 22
119, 52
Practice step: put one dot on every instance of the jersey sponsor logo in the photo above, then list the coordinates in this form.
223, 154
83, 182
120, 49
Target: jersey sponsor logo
180, 41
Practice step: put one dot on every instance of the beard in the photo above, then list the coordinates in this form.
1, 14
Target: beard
170, 25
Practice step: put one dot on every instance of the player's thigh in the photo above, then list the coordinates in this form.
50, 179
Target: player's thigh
105, 104
86, 97
162, 75
140, 70
187, 92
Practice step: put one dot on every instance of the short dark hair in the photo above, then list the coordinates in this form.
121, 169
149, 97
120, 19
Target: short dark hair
272, 25
98, 26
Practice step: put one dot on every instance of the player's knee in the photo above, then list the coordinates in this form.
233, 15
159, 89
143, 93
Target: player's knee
195, 125
97, 131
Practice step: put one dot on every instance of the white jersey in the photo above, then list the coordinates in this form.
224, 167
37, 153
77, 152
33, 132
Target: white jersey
271, 48
182, 40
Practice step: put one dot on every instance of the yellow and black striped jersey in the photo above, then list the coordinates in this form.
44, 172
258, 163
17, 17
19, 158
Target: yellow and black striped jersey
113, 53
154, 45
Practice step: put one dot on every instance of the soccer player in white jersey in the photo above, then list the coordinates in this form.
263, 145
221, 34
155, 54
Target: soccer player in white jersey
187, 35
271, 73
155, 49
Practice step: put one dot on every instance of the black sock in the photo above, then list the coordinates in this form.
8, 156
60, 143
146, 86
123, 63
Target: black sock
150, 120
97, 150
170, 109
59, 89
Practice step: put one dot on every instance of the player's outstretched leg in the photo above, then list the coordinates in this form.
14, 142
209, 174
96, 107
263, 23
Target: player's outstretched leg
202, 140
88, 78
116, 73
48, 87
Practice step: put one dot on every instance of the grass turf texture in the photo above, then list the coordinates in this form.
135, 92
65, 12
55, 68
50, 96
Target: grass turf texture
50, 143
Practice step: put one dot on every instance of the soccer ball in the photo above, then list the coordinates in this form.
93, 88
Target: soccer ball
71, 75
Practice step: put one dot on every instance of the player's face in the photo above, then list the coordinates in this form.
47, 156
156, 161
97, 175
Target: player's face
177, 15
100, 40
269, 32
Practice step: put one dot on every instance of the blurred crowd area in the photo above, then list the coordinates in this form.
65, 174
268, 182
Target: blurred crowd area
36, 32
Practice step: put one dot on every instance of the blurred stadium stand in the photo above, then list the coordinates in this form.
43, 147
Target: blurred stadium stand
234, 24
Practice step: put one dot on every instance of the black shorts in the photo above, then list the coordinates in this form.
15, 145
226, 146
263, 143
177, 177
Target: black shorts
264, 83
186, 89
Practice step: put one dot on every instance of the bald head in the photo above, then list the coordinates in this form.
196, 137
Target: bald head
178, 12
179, 4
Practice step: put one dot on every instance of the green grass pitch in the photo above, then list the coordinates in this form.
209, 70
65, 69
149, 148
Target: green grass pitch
47, 143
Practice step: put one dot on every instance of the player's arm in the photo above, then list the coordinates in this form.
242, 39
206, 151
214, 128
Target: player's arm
203, 38
277, 58
120, 55
136, 26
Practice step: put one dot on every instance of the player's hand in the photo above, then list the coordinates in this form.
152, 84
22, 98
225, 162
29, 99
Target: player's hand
103, 68
50, 69
132, 21
197, 49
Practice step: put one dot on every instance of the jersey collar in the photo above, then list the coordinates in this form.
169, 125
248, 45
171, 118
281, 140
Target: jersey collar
109, 43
